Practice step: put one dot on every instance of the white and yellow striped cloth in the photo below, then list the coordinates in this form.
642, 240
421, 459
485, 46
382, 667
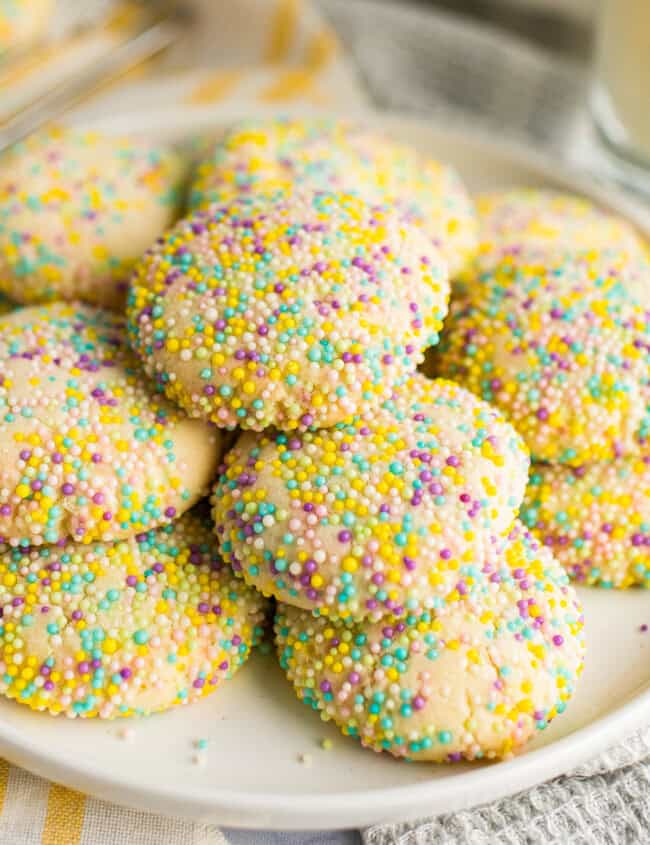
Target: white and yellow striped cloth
36, 812
277, 53
271, 53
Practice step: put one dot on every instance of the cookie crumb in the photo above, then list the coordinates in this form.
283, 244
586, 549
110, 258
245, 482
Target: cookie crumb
305, 759
326, 744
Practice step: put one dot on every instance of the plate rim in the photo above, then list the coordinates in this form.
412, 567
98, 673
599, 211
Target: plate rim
282, 811
279, 810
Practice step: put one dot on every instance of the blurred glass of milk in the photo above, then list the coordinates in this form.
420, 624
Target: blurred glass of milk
621, 95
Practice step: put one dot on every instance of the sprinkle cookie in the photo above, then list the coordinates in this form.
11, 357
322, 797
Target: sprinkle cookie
474, 679
378, 514
87, 449
326, 154
22, 22
615, 267
294, 310
123, 629
525, 220
77, 209
595, 519
559, 348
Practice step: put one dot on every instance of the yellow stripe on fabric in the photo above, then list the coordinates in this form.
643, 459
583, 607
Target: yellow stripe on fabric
125, 18
283, 29
65, 816
322, 47
288, 86
215, 87
4, 777
300, 82
24, 67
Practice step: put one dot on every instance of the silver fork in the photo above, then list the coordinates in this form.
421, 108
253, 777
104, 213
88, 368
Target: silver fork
155, 37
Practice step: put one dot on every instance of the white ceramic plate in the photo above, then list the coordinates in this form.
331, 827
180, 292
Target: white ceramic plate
255, 727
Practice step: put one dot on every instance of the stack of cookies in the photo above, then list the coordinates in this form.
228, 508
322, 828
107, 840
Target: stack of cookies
270, 355
113, 596
376, 506
551, 325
